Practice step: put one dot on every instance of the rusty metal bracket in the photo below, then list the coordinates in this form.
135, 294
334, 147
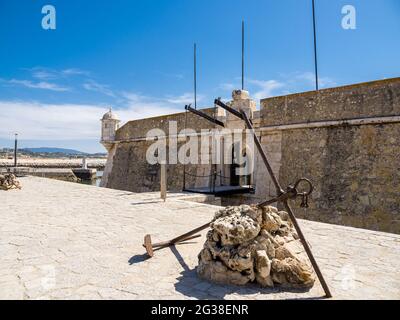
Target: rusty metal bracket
186, 236
291, 193
218, 102
204, 115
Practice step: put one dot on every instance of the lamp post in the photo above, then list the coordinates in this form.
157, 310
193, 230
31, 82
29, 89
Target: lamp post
15, 150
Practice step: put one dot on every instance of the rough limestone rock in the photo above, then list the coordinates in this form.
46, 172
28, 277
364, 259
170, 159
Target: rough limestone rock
239, 226
250, 244
263, 267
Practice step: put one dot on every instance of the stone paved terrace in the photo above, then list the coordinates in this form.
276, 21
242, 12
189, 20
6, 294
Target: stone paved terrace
60, 240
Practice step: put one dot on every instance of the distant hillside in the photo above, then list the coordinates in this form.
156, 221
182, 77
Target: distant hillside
53, 150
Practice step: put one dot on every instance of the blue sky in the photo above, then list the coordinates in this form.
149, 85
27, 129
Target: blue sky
136, 56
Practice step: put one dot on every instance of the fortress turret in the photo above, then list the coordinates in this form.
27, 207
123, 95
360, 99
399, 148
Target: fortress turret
109, 125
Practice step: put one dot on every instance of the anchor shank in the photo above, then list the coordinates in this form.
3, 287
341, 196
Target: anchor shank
263, 154
308, 250
183, 237
169, 243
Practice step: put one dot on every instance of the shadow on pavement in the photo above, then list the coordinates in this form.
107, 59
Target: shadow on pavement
191, 285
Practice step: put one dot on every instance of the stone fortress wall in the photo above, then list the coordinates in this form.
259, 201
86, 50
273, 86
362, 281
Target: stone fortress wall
127, 168
345, 139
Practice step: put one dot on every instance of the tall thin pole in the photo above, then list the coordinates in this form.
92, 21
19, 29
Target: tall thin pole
242, 55
163, 181
195, 75
315, 46
15, 150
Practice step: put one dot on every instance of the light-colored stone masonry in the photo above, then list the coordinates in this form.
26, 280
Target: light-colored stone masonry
344, 139
62, 240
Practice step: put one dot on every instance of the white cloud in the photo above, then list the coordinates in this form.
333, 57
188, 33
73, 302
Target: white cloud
33, 120
310, 78
227, 86
139, 106
43, 75
185, 98
38, 85
75, 71
48, 73
259, 89
265, 89
171, 75
92, 85
40, 77
287, 83
40, 121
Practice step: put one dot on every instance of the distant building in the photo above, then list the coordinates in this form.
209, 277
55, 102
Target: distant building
4, 153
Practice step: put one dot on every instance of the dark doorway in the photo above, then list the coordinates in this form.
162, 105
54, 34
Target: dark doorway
235, 179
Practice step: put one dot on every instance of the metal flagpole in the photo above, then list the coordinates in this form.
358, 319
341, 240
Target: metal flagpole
242, 54
195, 76
315, 47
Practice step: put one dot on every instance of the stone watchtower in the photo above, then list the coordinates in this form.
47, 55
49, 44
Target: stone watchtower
241, 100
240, 150
109, 125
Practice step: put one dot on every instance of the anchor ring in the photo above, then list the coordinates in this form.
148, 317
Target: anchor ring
307, 181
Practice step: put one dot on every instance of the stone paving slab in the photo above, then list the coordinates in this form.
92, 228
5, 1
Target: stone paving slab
61, 240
